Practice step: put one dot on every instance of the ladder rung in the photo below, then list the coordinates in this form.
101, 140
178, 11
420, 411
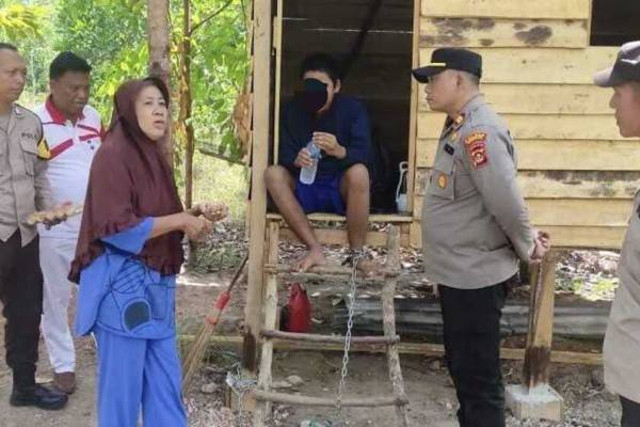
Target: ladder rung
292, 336
327, 270
296, 399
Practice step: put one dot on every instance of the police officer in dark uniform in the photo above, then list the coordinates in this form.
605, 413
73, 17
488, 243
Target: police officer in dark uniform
475, 230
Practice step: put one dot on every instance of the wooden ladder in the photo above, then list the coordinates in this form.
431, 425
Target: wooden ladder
264, 395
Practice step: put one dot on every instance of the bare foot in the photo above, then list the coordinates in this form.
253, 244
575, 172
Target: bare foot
368, 267
312, 258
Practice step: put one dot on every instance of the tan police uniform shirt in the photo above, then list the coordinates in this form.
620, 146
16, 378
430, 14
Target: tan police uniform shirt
622, 340
475, 224
23, 184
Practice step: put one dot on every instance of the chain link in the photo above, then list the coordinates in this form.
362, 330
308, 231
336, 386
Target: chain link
240, 387
355, 258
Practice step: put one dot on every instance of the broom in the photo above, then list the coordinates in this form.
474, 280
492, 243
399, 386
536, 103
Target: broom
193, 361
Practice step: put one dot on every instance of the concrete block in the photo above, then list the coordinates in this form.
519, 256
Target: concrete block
539, 403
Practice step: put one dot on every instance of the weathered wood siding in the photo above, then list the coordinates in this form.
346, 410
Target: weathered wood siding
577, 174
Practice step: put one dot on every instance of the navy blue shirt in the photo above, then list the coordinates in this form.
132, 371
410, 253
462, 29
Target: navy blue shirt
347, 119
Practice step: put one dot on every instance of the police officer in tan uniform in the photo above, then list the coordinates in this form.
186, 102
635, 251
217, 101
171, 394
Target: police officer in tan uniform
23, 189
475, 230
622, 340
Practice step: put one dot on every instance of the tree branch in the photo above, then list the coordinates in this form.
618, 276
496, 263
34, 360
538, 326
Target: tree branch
210, 17
211, 153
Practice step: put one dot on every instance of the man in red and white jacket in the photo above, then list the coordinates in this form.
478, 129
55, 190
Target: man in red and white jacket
73, 133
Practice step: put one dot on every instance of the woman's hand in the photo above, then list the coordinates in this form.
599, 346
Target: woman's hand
212, 211
195, 228
54, 216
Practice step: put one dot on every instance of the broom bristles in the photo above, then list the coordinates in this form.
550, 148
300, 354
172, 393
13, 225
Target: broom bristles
192, 362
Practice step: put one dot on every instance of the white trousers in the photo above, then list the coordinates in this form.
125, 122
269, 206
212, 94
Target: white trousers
56, 255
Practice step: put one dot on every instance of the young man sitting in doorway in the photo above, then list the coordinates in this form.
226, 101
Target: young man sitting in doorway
339, 125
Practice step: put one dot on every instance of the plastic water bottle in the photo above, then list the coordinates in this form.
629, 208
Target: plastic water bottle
308, 174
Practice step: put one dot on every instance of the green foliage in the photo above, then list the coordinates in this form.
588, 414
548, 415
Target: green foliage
19, 21
111, 35
578, 285
219, 70
27, 26
218, 180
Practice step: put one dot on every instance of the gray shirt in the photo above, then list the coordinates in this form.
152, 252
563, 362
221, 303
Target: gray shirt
8, 214
622, 340
475, 224
24, 187
4, 122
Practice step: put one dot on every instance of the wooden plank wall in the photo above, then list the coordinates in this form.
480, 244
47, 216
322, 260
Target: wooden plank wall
577, 174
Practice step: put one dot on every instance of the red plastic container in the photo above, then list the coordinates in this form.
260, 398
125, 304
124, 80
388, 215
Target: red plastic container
298, 310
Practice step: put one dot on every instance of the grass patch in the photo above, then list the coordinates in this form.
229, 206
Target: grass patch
218, 180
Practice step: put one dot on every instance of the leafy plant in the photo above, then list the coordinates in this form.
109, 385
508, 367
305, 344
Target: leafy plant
111, 35
19, 21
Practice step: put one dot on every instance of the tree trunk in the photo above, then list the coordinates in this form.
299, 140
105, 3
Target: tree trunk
159, 61
184, 116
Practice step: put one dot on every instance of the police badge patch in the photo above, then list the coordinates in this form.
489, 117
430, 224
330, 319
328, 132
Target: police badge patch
43, 150
442, 181
476, 144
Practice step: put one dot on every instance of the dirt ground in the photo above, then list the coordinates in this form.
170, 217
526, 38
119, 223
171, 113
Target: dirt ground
430, 391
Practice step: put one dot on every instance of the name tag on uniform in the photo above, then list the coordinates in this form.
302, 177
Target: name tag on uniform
28, 135
449, 149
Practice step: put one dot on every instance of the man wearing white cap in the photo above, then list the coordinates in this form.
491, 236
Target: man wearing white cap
622, 340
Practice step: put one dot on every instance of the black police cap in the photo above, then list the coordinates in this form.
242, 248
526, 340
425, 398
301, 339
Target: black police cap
450, 58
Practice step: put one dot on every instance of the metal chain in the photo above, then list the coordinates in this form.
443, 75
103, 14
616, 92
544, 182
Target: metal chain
240, 387
356, 257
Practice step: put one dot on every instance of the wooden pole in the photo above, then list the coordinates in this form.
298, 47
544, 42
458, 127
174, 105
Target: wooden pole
270, 305
159, 60
423, 349
538, 351
262, 56
389, 324
294, 399
415, 230
334, 339
277, 45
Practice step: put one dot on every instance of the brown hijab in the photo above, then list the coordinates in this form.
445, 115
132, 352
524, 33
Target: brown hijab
129, 181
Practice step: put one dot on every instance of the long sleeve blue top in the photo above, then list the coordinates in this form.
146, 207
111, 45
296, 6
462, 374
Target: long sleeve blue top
347, 119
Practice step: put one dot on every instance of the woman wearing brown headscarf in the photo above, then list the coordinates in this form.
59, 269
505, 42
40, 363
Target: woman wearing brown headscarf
128, 254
